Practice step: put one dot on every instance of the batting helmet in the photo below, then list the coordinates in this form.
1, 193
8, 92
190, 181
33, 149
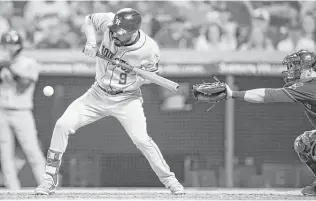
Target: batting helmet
12, 38
126, 20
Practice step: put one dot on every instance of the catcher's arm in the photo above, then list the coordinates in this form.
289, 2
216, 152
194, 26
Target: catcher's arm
218, 91
261, 95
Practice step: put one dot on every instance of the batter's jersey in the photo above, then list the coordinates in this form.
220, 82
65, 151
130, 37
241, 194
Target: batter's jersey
12, 94
304, 93
144, 53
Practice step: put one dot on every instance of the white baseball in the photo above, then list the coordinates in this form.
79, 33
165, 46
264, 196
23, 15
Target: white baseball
48, 91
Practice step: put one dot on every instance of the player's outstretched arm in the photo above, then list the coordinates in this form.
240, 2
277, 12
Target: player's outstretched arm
260, 95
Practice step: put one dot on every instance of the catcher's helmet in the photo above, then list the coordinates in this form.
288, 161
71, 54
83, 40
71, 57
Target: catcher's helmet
126, 21
296, 62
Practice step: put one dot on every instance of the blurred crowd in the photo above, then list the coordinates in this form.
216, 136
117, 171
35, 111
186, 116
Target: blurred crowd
199, 25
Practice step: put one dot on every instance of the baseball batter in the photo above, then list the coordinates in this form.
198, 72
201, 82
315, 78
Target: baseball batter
18, 76
116, 92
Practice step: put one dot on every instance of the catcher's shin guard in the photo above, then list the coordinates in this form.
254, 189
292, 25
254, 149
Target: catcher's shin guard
311, 164
307, 154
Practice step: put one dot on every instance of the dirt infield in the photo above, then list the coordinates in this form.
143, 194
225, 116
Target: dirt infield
157, 194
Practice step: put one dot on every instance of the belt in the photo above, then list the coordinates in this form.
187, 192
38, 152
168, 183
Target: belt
111, 92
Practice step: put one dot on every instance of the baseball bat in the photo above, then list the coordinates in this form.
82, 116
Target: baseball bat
153, 77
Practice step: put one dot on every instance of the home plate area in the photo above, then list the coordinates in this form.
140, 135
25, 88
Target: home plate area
157, 194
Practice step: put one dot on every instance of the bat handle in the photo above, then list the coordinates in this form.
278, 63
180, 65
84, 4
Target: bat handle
113, 61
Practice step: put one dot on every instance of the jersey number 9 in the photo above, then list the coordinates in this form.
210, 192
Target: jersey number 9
123, 77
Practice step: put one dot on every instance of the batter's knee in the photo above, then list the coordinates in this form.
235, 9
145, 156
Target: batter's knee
63, 127
142, 143
60, 136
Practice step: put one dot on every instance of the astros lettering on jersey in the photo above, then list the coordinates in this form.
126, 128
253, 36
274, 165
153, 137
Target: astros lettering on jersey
144, 53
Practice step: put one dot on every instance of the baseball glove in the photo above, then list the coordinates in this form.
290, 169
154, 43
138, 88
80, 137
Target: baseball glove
210, 92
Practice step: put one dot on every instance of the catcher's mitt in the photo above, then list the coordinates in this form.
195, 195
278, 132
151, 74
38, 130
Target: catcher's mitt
210, 92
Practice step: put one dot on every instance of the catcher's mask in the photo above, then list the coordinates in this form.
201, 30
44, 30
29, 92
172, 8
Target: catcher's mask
296, 63
125, 24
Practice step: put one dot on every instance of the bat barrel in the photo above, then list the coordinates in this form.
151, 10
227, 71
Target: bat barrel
171, 85
161, 81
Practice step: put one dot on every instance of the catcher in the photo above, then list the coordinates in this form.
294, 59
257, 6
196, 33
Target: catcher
300, 87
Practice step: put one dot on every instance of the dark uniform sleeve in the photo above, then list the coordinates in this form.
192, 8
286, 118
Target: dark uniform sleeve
299, 92
276, 95
304, 93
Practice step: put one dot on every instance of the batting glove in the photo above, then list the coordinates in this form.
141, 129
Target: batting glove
90, 50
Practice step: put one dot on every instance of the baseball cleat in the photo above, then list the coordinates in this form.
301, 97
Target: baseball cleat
176, 189
47, 187
309, 190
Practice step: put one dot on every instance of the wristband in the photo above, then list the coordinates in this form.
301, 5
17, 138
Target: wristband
239, 95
